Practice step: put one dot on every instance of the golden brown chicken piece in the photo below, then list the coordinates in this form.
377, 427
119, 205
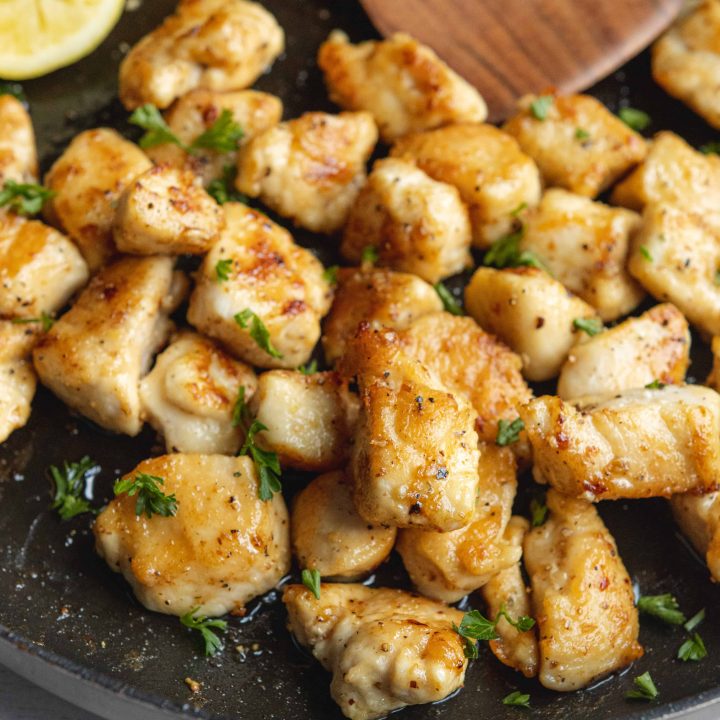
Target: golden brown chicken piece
378, 297
585, 245
309, 418
213, 44
268, 275
531, 312
329, 536
506, 591
449, 565
196, 111
18, 154
88, 179
654, 346
686, 60
578, 145
17, 377
309, 169
40, 269
403, 83
95, 355
494, 177
189, 396
415, 457
635, 444
582, 597
699, 518
166, 211
223, 547
385, 648
416, 224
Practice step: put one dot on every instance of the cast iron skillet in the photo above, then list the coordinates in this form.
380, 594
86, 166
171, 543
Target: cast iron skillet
61, 604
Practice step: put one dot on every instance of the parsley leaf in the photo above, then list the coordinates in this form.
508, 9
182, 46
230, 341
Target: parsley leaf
240, 411
655, 385
645, 253
258, 331
157, 131
711, 148
223, 188
369, 255
330, 274
213, 643
449, 301
14, 89
695, 620
664, 607
266, 463
540, 106
24, 198
151, 500
222, 136
591, 326
506, 252
475, 626
635, 119
311, 580
509, 432
309, 368
70, 486
519, 209
538, 512
517, 699
581, 134
46, 320
692, 649
644, 688
222, 269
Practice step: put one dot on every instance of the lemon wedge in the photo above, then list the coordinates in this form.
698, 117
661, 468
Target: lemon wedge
39, 36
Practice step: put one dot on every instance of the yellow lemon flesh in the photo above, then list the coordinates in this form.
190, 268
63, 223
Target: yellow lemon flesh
39, 36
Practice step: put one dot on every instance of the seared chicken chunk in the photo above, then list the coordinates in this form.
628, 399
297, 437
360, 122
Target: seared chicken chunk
190, 394
506, 591
585, 245
686, 60
417, 225
449, 565
213, 44
415, 457
581, 595
40, 269
329, 536
88, 179
18, 155
378, 297
654, 346
385, 648
579, 145
165, 211
223, 547
403, 83
309, 418
635, 444
268, 275
676, 257
196, 112
699, 518
309, 169
494, 177
531, 312
17, 378
94, 356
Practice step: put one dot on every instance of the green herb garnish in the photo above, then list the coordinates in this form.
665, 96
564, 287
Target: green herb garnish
369, 255
213, 644
509, 432
644, 688
222, 269
582, 134
692, 649
70, 481
664, 607
330, 274
635, 119
266, 463
258, 331
538, 512
222, 136
517, 699
506, 252
223, 188
449, 301
151, 500
24, 198
540, 106
591, 326
309, 368
46, 320
311, 580
711, 148
645, 253
655, 385
475, 626
240, 411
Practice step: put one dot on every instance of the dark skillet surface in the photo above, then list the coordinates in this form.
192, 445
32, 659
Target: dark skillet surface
58, 599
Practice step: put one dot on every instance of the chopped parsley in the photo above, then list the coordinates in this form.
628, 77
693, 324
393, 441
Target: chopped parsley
258, 331
645, 253
222, 136
369, 255
330, 274
14, 89
223, 188
449, 302
591, 326
692, 649
581, 134
644, 688
663, 607
266, 463
509, 432
655, 385
519, 209
711, 148
222, 269
475, 626
213, 644
47, 321
311, 580
695, 620
517, 699
70, 481
309, 368
24, 198
240, 411
540, 106
506, 252
635, 119
157, 131
538, 512
151, 500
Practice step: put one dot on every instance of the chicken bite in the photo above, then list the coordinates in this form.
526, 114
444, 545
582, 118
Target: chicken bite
638, 443
88, 179
309, 418
403, 83
385, 648
686, 60
329, 536
379, 297
309, 169
213, 44
506, 591
17, 378
699, 519
585, 245
94, 356
195, 113
189, 396
18, 154
40, 269
582, 597
222, 547
449, 565
633, 354
578, 145
417, 225
530, 311
494, 177
166, 211
280, 285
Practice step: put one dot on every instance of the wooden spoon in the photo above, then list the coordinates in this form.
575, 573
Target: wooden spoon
507, 48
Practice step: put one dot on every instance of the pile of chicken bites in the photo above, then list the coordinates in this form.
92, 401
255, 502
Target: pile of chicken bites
415, 434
